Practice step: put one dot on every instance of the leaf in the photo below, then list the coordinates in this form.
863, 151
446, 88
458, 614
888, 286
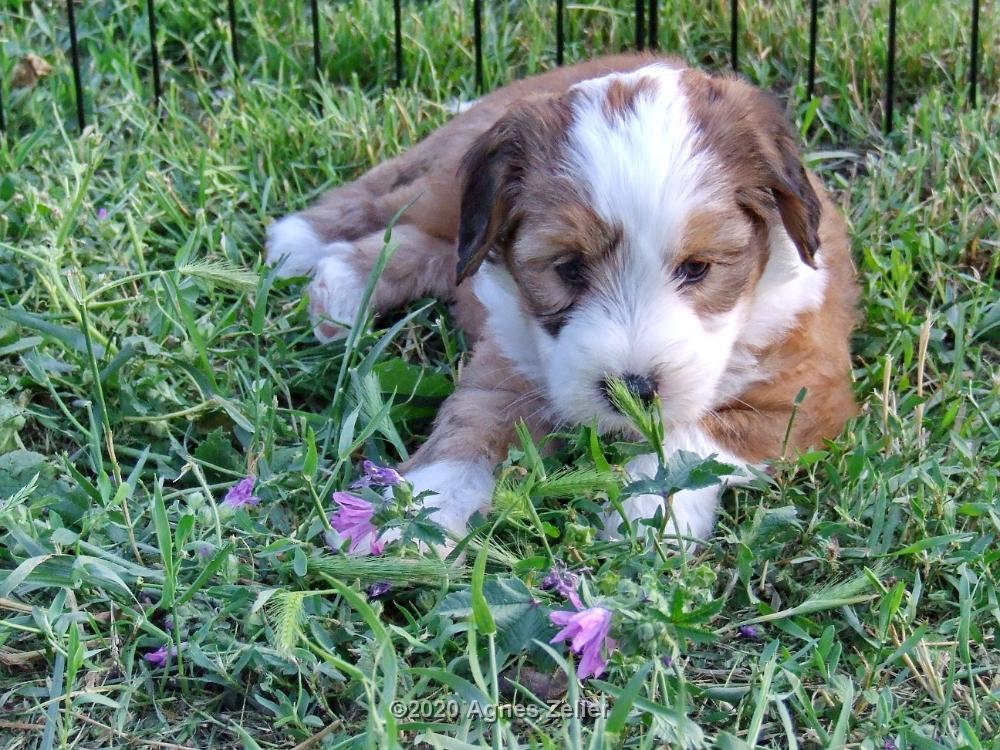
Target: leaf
206, 573
624, 703
217, 450
770, 523
418, 386
481, 615
300, 564
462, 687
518, 616
311, 461
17, 576
69, 337
682, 471
20, 468
166, 544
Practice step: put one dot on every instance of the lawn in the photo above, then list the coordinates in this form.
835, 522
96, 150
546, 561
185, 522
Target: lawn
149, 362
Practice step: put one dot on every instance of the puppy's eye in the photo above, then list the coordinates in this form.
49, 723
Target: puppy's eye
692, 271
572, 272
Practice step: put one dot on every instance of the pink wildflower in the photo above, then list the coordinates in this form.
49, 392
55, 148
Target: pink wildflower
160, 656
383, 476
241, 494
588, 632
564, 581
353, 521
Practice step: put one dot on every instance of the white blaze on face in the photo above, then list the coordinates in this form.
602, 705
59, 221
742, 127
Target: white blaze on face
643, 172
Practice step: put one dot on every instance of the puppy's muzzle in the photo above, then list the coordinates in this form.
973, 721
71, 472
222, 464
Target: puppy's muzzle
642, 387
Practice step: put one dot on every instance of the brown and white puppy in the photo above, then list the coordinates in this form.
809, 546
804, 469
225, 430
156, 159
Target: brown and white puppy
629, 217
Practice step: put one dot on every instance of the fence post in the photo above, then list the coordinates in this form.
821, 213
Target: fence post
477, 17
974, 54
734, 29
314, 6
560, 31
75, 56
397, 13
890, 69
234, 41
154, 55
654, 25
640, 25
813, 21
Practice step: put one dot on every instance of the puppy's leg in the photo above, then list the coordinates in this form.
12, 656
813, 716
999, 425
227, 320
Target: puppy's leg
472, 433
421, 265
692, 512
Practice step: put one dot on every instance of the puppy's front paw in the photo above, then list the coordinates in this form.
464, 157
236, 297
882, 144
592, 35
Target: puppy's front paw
294, 246
691, 513
462, 488
335, 294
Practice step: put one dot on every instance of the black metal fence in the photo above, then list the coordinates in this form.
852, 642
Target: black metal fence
646, 37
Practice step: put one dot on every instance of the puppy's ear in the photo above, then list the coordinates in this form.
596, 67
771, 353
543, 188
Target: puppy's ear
797, 202
486, 198
493, 173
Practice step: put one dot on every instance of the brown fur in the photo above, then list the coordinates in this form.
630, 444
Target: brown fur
621, 97
815, 356
477, 421
748, 130
736, 250
512, 138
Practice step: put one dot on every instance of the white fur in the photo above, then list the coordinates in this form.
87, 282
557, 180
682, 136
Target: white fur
294, 240
462, 487
509, 325
335, 294
644, 173
643, 170
787, 289
694, 511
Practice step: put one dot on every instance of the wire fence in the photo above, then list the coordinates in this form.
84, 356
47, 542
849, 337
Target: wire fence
647, 25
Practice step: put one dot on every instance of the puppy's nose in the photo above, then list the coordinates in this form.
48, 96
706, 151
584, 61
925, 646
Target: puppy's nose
642, 387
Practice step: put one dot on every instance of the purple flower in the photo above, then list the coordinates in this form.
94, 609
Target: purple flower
102, 213
379, 589
383, 476
241, 494
353, 521
205, 550
589, 630
160, 656
748, 631
889, 744
564, 581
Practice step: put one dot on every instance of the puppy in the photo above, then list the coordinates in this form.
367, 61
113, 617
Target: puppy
628, 217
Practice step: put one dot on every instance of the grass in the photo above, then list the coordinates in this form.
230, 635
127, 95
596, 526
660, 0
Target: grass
148, 363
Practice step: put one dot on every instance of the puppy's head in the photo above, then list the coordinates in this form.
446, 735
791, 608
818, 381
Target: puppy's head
655, 226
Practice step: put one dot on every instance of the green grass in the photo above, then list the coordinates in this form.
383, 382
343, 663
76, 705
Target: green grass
145, 366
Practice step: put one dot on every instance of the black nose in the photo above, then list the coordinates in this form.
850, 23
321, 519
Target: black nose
642, 387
